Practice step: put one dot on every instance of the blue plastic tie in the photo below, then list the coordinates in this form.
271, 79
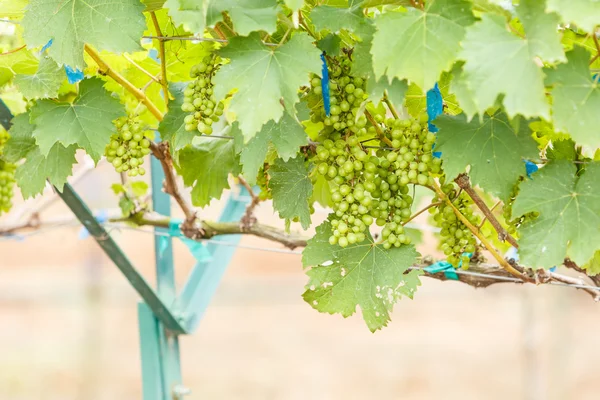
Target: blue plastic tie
101, 217
325, 86
198, 249
435, 107
443, 266
73, 75
530, 168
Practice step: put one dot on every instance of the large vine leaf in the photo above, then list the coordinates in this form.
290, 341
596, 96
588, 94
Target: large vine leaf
189, 13
295, 5
291, 189
87, 122
500, 63
584, 13
19, 62
350, 17
493, 147
418, 45
364, 275
31, 175
541, 30
263, 76
287, 136
576, 98
116, 26
172, 127
247, 15
44, 83
569, 215
206, 166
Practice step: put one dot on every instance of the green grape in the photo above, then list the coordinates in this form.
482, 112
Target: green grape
199, 100
7, 177
128, 146
456, 239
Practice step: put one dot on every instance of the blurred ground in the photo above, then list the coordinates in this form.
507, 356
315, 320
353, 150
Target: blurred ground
69, 331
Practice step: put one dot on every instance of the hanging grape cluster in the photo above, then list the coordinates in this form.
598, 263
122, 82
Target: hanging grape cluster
128, 146
199, 99
7, 177
456, 238
368, 185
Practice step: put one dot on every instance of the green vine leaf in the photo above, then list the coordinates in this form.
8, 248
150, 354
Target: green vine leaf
263, 76
19, 62
592, 268
31, 175
418, 45
584, 13
501, 63
87, 122
44, 83
247, 15
540, 29
349, 17
189, 13
494, 149
206, 166
291, 189
294, 5
287, 136
364, 275
569, 215
116, 26
576, 98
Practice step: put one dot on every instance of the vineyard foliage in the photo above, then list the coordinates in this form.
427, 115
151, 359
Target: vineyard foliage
332, 102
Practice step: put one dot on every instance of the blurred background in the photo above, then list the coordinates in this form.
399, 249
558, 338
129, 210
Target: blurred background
68, 327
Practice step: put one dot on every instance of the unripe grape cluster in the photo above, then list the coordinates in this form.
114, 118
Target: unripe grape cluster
456, 238
199, 100
513, 223
128, 146
347, 93
7, 178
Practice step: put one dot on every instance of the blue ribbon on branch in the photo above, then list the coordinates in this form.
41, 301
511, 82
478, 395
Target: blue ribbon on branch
446, 267
435, 107
73, 75
198, 249
325, 86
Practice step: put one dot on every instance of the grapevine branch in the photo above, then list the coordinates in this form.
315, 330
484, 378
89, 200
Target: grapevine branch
378, 129
163, 59
477, 234
248, 219
390, 105
463, 182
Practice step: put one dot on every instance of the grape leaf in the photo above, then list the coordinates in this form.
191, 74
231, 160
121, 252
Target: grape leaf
592, 268
462, 90
206, 167
115, 26
19, 62
172, 127
56, 166
562, 150
13, 8
585, 13
576, 98
321, 191
363, 274
541, 30
493, 148
153, 5
189, 13
294, 5
569, 215
335, 19
418, 45
499, 62
287, 136
247, 15
262, 76
291, 189
44, 83
21, 140
86, 122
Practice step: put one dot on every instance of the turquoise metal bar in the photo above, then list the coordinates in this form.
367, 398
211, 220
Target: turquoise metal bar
167, 342
205, 277
152, 378
85, 216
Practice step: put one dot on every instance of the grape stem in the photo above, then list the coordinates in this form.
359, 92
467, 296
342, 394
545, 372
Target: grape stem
163, 59
478, 235
485, 217
139, 67
387, 101
249, 219
421, 212
105, 69
378, 129
464, 183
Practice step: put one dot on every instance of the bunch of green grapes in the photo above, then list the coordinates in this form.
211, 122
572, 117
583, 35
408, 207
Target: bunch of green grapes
514, 223
128, 146
456, 238
7, 177
347, 93
199, 99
